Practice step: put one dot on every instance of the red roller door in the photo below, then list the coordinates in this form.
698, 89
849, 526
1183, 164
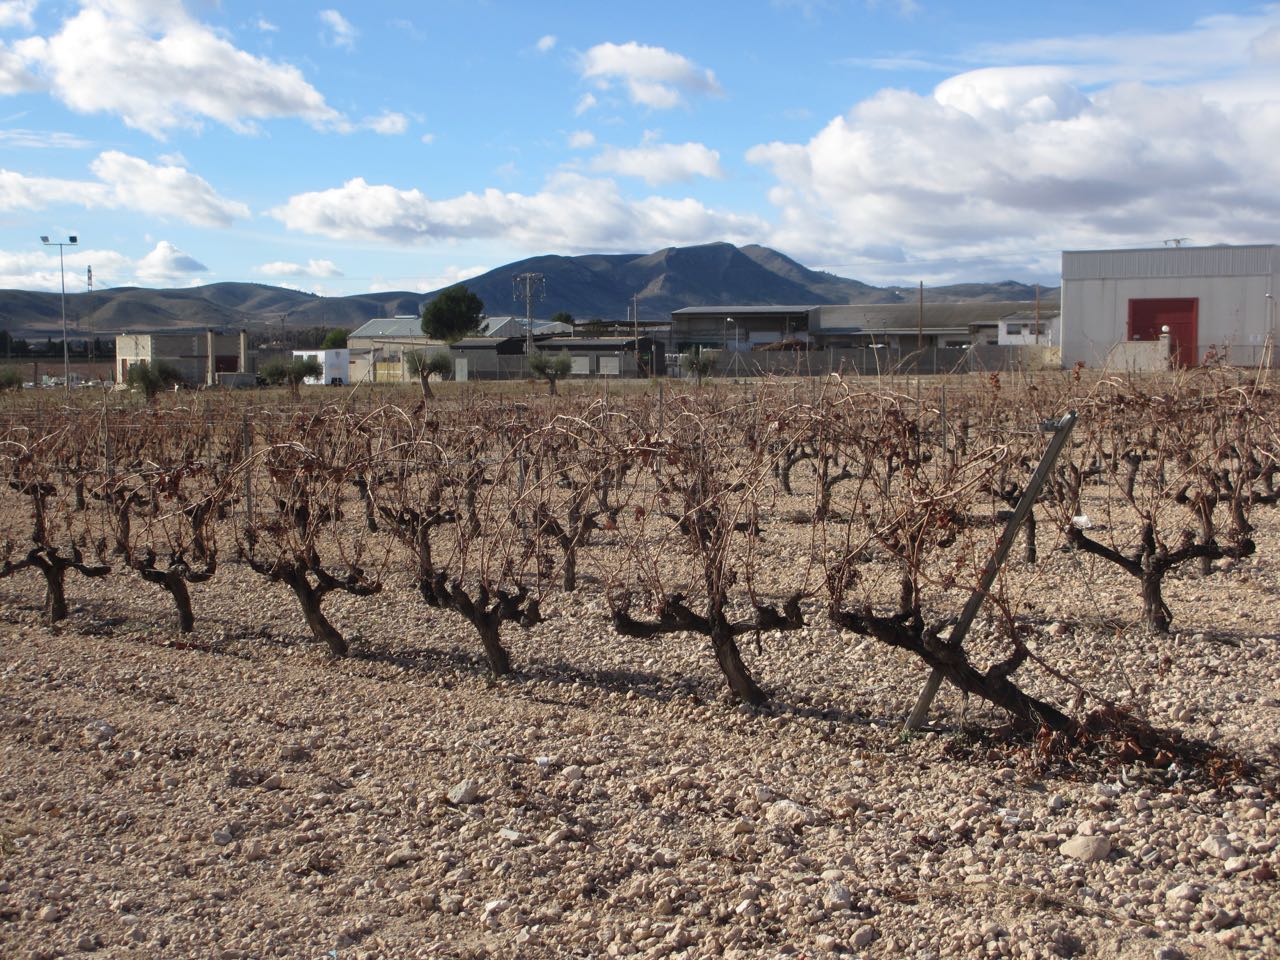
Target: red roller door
1147, 317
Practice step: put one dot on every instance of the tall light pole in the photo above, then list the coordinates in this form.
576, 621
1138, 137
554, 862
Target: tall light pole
62, 271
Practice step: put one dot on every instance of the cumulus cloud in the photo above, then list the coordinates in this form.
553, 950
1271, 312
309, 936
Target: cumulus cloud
573, 212
169, 191
586, 102
1010, 165
447, 277
38, 269
17, 13
582, 139
652, 76
151, 64
126, 182
167, 264
546, 43
387, 123
340, 31
15, 77
661, 162
312, 268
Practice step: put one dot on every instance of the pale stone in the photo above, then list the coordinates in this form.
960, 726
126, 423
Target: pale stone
1086, 849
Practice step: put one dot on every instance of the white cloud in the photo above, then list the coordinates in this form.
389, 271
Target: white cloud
312, 268
266, 26
1010, 165
546, 43
387, 123
582, 139
168, 191
17, 13
572, 213
151, 64
447, 277
661, 163
341, 32
125, 182
15, 77
586, 102
38, 269
167, 264
653, 76
16, 137
428, 138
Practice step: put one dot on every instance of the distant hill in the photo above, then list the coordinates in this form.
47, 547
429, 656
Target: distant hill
593, 286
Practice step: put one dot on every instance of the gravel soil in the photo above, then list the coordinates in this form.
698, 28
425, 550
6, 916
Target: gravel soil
234, 793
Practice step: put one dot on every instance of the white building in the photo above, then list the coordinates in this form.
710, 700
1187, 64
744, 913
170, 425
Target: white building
334, 365
1219, 299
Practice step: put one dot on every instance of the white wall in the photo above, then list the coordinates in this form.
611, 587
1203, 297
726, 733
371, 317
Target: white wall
1234, 311
335, 363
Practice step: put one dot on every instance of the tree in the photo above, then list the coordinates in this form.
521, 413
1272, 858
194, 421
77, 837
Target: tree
550, 368
699, 363
453, 314
335, 340
422, 365
290, 372
564, 316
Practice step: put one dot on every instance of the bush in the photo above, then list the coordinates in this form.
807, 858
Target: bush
10, 380
152, 378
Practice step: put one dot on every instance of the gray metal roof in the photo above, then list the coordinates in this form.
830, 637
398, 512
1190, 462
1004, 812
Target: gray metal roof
390, 327
746, 309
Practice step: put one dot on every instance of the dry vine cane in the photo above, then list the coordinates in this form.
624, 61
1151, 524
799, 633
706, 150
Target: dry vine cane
911, 530
296, 534
703, 500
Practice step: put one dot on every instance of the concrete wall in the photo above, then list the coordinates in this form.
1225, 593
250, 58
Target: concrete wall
1140, 356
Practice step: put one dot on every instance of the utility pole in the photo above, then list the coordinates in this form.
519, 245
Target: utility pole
93, 327
62, 271
528, 287
920, 320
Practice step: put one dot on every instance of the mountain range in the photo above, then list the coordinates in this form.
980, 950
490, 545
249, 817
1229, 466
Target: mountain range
592, 286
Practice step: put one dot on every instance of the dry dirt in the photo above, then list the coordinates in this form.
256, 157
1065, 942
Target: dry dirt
233, 793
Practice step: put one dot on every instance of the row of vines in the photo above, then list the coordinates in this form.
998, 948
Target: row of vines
674, 513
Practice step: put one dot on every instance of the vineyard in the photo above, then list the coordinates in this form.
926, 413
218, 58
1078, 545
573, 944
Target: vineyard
610, 673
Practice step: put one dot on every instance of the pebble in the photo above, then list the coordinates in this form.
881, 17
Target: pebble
864, 936
1087, 849
788, 813
1217, 845
463, 793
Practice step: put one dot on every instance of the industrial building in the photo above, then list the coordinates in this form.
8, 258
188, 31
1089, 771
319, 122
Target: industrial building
1219, 299
206, 357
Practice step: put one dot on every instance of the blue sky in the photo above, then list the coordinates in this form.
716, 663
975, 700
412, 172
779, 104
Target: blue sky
390, 145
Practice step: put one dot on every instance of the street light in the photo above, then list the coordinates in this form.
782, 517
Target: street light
62, 271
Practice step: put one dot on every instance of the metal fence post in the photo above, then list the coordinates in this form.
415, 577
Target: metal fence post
1061, 432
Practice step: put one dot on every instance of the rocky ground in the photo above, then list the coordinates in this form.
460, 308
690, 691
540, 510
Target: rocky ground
233, 793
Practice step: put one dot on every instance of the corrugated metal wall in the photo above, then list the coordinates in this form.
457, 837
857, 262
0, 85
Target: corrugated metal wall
1243, 261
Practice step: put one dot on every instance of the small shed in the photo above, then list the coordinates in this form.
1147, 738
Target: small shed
334, 366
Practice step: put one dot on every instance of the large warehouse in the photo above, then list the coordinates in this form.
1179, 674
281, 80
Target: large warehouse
1219, 299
